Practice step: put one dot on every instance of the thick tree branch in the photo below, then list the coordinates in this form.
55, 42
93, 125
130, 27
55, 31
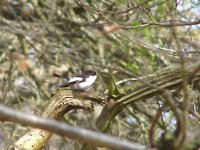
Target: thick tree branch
62, 102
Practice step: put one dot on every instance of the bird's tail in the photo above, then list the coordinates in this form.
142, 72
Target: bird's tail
60, 76
64, 85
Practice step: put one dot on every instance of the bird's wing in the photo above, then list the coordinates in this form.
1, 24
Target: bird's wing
72, 81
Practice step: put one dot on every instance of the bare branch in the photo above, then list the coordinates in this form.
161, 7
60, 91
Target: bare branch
90, 137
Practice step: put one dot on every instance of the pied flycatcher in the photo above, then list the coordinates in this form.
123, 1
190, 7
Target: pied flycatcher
80, 82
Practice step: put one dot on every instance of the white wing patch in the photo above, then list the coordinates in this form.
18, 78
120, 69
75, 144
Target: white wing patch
74, 79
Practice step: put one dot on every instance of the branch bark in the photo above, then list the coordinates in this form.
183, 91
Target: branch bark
62, 102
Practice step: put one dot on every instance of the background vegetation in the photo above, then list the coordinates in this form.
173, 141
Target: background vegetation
129, 39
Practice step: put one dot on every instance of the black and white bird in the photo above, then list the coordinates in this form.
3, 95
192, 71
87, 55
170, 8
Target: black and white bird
80, 82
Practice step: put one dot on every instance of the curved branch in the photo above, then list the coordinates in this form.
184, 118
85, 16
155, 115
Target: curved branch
62, 102
165, 79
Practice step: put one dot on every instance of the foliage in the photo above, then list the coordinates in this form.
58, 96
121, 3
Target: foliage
128, 39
